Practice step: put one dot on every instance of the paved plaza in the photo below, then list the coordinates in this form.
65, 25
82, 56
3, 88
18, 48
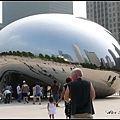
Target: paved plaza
107, 108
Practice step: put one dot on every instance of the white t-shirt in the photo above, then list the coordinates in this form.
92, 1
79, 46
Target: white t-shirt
6, 92
18, 89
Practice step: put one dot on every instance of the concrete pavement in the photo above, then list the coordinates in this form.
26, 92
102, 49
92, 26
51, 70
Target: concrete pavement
107, 108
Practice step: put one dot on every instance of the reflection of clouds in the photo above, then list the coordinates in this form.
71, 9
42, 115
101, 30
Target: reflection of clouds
14, 41
17, 40
44, 50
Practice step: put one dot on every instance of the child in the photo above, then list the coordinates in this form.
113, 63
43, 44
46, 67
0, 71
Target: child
51, 107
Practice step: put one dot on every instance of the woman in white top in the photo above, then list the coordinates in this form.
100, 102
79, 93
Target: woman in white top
51, 107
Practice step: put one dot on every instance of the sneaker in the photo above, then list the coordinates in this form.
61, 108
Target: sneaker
27, 101
39, 103
33, 103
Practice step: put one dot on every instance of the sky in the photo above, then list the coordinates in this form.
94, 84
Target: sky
79, 9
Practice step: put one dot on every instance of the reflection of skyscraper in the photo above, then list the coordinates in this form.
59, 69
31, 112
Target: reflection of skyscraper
86, 60
66, 57
93, 58
109, 62
15, 10
78, 54
117, 50
114, 57
103, 62
60, 53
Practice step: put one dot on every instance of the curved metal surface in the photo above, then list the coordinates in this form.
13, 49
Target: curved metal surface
62, 35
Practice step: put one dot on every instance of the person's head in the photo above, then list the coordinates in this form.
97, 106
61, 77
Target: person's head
24, 82
68, 79
76, 73
51, 99
36, 83
54, 81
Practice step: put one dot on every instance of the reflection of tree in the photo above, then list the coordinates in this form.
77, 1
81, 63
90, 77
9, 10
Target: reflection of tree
18, 53
47, 57
89, 65
29, 54
40, 55
53, 58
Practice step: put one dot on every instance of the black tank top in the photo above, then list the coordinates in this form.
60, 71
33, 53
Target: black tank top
81, 99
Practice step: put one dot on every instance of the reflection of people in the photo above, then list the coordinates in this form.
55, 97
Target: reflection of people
51, 107
81, 94
55, 91
114, 78
109, 77
67, 105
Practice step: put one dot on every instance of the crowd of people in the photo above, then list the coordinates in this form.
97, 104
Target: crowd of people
23, 93
77, 94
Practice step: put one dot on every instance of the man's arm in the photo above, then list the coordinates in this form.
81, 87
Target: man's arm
66, 96
92, 92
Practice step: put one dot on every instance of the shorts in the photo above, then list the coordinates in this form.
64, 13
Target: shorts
37, 95
24, 94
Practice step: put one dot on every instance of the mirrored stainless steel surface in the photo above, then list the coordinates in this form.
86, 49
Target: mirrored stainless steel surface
77, 41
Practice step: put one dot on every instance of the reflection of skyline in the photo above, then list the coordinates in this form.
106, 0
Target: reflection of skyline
117, 50
93, 58
78, 54
103, 62
114, 57
109, 62
66, 57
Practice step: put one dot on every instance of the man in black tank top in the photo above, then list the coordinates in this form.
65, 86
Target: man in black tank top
82, 94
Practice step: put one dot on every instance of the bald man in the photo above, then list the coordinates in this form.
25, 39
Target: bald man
82, 94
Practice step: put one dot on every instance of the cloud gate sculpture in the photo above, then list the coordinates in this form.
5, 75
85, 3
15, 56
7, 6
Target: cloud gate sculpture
45, 47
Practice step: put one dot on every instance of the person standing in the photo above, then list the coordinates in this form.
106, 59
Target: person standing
51, 107
67, 105
34, 94
25, 90
82, 94
38, 91
19, 92
55, 91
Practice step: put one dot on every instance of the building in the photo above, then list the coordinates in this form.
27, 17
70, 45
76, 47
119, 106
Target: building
107, 14
13, 11
1, 26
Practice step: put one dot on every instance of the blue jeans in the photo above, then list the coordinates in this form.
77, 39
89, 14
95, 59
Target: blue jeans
56, 97
19, 97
